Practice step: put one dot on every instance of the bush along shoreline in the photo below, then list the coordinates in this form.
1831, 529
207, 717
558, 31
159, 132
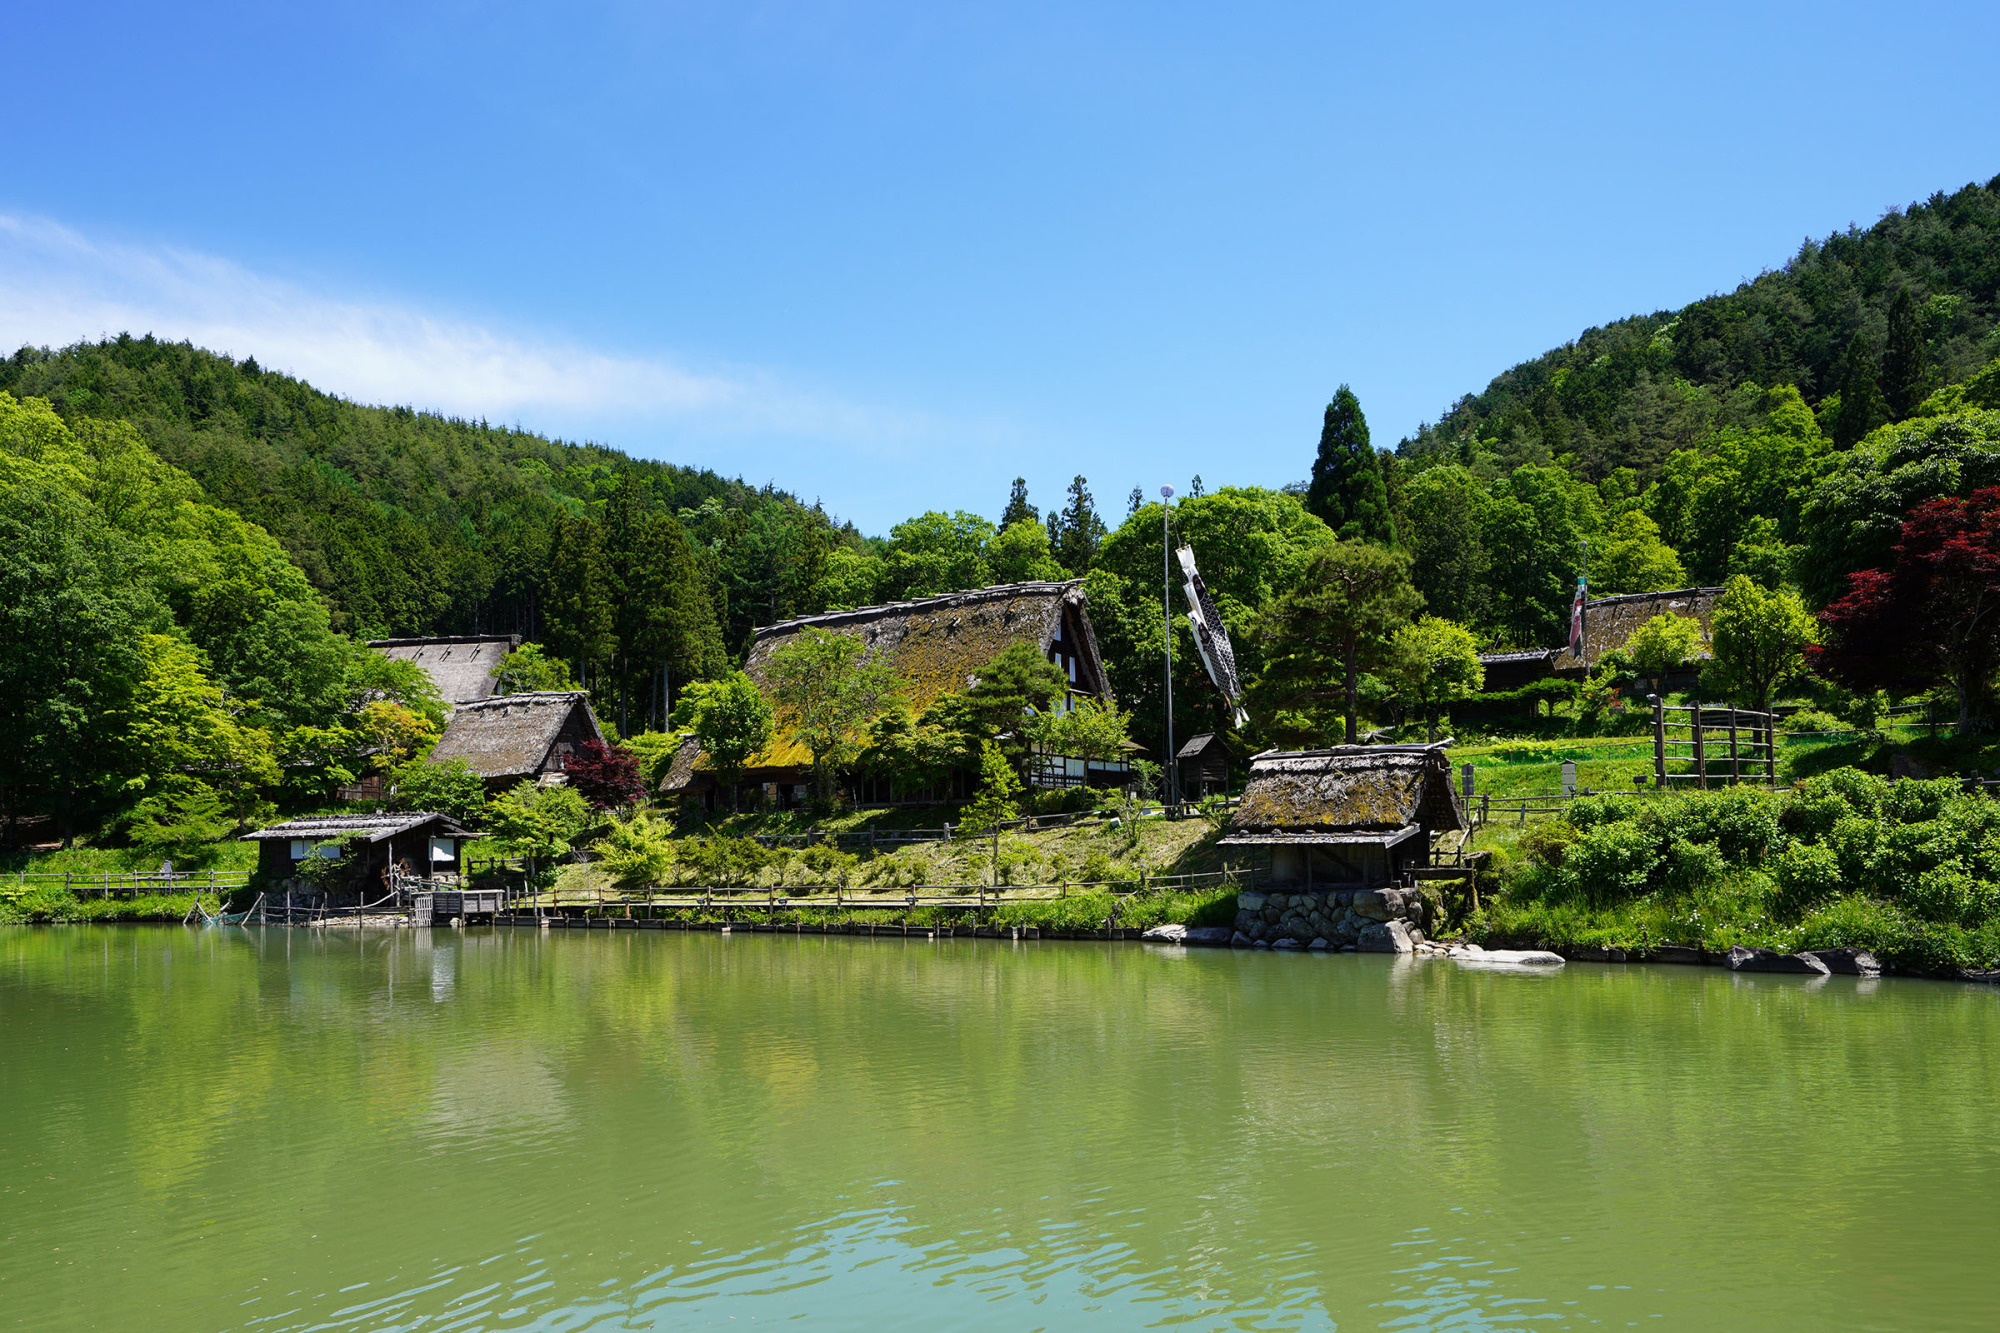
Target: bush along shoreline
1908, 870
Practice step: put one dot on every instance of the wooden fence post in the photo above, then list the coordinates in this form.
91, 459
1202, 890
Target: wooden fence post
1735, 763
1659, 742
1700, 749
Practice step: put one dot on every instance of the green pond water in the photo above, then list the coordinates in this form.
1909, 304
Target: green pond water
494, 1129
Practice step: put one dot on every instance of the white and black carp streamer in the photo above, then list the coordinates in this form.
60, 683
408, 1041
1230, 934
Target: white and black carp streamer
1211, 639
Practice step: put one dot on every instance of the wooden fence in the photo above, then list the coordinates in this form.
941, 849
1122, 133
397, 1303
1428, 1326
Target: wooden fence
129, 883
1718, 746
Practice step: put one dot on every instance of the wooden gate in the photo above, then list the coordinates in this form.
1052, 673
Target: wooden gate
1709, 745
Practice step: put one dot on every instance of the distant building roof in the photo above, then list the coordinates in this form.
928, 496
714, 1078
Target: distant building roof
462, 668
1197, 745
1609, 621
363, 828
1349, 790
938, 645
512, 735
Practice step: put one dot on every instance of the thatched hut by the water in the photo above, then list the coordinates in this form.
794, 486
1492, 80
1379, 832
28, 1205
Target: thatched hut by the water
1353, 816
519, 737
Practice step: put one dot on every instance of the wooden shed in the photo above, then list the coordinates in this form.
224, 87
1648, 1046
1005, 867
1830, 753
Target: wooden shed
1353, 816
1202, 766
420, 843
519, 737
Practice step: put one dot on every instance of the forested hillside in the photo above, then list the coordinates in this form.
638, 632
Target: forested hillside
1884, 314
411, 523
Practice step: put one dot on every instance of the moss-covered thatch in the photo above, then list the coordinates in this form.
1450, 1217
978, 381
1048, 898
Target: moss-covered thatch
1348, 789
1610, 621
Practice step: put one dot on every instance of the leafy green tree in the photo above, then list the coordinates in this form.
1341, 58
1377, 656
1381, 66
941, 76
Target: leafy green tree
537, 822
1347, 492
1447, 542
999, 791
914, 754
731, 719
1253, 545
176, 724
1758, 639
1020, 553
1075, 532
639, 851
934, 553
1664, 644
181, 819
662, 616
1760, 555
1535, 529
530, 668
446, 788
1632, 558
853, 578
828, 690
1337, 624
1431, 662
1091, 730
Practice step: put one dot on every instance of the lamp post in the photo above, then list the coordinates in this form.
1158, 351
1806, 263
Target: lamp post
1172, 766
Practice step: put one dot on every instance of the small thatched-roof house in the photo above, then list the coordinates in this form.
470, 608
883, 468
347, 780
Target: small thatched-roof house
462, 668
1202, 765
938, 646
1350, 816
418, 842
519, 737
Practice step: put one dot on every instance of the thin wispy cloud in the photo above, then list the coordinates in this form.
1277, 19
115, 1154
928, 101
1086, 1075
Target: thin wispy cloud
58, 286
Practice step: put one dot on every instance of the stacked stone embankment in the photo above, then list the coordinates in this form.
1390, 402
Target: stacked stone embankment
1383, 920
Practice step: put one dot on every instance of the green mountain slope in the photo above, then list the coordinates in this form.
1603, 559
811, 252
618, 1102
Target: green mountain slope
408, 522
1630, 393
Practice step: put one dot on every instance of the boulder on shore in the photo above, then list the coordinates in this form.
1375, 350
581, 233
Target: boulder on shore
1743, 959
1848, 962
1509, 957
1214, 937
1173, 933
1386, 937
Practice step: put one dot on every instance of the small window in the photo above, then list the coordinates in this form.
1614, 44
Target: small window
443, 849
302, 848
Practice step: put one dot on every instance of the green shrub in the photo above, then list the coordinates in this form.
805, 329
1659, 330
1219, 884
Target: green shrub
1545, 843
1610, 862
1807, 876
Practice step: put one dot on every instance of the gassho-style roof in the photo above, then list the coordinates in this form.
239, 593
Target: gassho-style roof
511, 735
1379, 794
1609, 621
937, 644
359, 828
461, 668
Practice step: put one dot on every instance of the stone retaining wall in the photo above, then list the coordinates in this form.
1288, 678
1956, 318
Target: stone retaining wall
1370, 920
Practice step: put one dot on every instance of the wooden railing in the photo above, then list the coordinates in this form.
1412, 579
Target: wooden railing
127, 883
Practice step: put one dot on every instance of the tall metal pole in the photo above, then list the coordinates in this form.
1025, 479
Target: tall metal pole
1172, 766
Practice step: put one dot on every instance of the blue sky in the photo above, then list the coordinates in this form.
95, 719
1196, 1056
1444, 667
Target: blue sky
892, 256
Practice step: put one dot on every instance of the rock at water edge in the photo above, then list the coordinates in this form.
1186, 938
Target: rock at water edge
1848, 962
1212, 936
1742, 959
1513, 958
1286, 943
1240, 941
1168, 934
1320, 944
1386, 937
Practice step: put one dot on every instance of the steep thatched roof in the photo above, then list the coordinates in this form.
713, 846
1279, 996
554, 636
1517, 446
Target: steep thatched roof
1609, 621
360, 828
461, 667
511, 736
937, 645
1349, 789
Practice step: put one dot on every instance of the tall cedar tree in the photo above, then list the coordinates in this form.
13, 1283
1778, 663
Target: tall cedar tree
577, 596
1018, 509
1347, 491
1337, 624
662, 615
1861, 406
1076, 532
1906, 360
1934, 615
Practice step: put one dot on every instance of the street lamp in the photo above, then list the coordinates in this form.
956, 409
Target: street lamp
1172, 766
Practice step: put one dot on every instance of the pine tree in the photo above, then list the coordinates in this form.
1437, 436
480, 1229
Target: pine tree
1076, 532
577, 596
1135, 502
1018, 509
1347, 491
1906, 368
1197, 490
1861, 407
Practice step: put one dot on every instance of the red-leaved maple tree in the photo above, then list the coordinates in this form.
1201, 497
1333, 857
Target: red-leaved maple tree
1932, 616
605, 775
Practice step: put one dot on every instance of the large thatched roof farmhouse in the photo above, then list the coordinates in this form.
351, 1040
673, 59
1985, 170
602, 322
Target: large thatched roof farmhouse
938, 646
461, 668
1353, 816
519, 737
